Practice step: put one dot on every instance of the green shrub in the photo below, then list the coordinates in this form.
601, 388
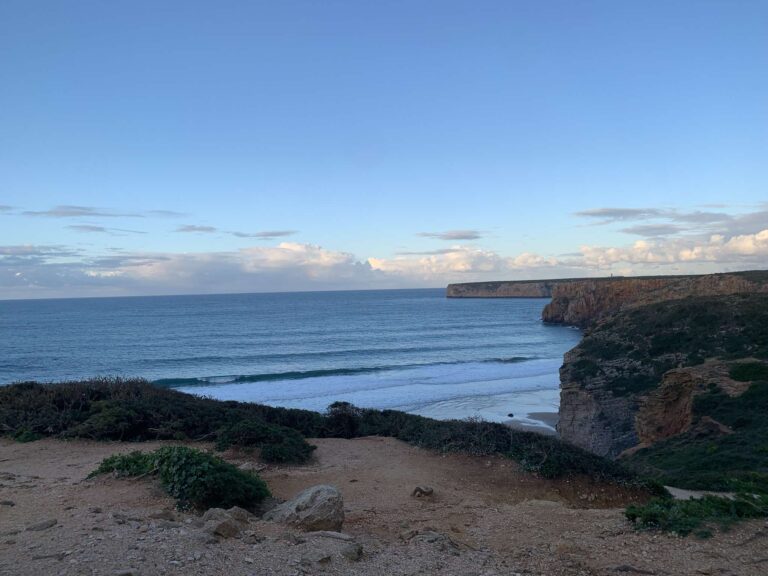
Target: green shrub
132, 464
135, 410
199, 480
27, 436
291, 448
686, 516
195, 479
278, 443
749, 371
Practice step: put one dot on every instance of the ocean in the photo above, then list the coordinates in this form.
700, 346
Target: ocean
411, 350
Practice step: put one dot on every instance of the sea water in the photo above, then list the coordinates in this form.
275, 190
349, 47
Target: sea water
411, 350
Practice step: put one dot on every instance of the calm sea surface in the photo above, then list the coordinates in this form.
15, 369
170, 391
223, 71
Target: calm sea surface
412, 350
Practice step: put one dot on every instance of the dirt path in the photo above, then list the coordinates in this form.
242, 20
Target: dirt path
495, 518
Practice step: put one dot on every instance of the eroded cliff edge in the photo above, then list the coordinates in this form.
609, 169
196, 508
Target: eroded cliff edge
633, 379
583, 301
651, 346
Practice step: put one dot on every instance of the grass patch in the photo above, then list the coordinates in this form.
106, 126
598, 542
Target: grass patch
195, 479
696, 516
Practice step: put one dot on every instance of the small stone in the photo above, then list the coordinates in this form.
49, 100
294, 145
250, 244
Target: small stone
352, 551
329, 534
316, 557
164, 514
248, 560
252, 466
44, 525
420, 491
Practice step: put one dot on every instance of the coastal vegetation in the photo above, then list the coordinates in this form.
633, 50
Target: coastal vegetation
696, 516
734, 461
703, 425
114, 409
194, 478
632, 350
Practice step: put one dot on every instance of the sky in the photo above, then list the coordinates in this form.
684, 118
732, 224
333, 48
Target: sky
185, 147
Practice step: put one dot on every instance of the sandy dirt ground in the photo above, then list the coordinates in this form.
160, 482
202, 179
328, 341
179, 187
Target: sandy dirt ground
486, 517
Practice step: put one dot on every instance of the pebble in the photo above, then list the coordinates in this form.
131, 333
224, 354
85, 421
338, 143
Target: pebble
44, 525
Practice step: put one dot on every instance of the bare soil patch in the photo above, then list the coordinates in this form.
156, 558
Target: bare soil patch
485, 516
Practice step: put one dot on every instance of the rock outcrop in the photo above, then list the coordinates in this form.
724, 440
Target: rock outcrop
514, 289
583, 301
316, 508
632, 380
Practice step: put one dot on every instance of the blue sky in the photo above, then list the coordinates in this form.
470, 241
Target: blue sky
183, 147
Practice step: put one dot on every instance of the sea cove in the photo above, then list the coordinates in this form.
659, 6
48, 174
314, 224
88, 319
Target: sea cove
411, 350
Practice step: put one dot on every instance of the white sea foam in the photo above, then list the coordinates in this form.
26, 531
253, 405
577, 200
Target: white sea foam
490, 390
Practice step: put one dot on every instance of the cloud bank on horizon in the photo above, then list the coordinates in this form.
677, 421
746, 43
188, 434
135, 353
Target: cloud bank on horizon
673, 242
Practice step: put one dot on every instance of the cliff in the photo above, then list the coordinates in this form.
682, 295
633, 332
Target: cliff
583, 301
522, 289
634, 378
653, 347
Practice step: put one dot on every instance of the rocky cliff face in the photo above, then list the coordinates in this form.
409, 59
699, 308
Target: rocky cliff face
583, 302
633, 379
536, 289
651, 347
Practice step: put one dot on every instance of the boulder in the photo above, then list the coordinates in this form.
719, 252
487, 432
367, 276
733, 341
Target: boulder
240, 514
316, 508
224, 523
228, 528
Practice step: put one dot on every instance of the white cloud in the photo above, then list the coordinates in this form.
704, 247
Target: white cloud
49, 270
459, 260
718, 248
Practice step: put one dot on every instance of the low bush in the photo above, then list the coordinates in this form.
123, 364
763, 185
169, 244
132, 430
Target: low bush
686, 516
749, 371
135, 410
195, 479
132, 464
278, 443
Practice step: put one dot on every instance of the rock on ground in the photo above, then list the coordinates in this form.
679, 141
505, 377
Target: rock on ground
316, 508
